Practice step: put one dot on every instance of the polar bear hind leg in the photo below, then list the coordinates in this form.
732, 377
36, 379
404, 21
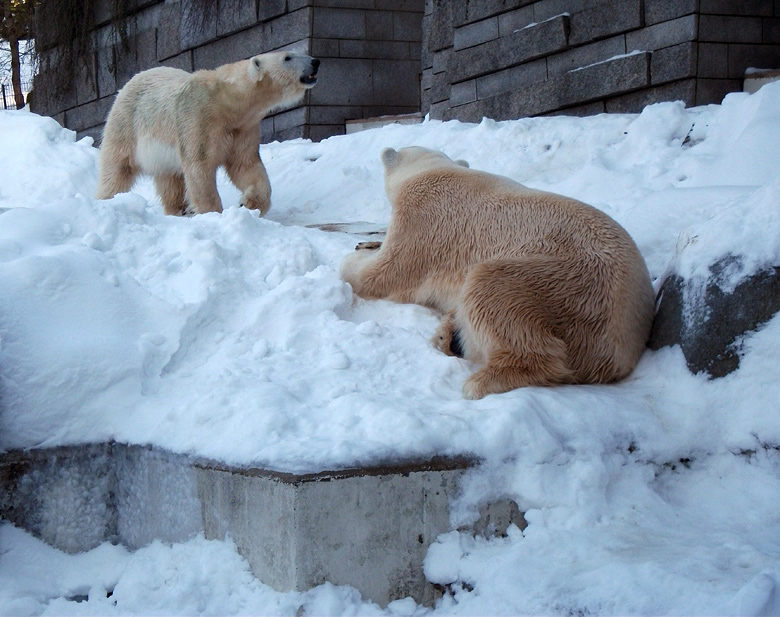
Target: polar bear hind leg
505, 323
118, 170
170, 187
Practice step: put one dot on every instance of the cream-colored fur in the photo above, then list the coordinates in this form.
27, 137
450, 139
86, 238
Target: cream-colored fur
537, 288
181, 127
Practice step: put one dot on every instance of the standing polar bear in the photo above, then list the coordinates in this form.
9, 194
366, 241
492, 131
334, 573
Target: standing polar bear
538, 288
180, 127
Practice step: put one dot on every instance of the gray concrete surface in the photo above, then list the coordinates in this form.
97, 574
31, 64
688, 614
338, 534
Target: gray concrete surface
369, 528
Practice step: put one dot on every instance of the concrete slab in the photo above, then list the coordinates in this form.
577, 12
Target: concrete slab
362, 124
369, 527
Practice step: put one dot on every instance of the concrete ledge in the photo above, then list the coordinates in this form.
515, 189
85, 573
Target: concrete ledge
369, 527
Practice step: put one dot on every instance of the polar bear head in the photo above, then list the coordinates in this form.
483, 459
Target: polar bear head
287, 72
401, 165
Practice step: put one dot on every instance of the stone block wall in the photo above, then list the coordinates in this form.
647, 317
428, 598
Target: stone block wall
370, 52
513, 58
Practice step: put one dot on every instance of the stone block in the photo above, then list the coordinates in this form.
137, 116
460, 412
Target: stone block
183, 61
290, 118
585, 55
714, 90
666, 34
325, 48
604, 20
89, 115
145, 42
440, 111
713, 60
545, 9
344, 81
673, 63
95, 133
463, 92
379, 26
407, 26
580, 111
235, 15
572, 89
440, 88
106, 80
169, 31
338, 23
345, 4
318, 132
475, 33
441, 26
468, 12
441, 60
85, 78
771, 31
634, 102
278, 33
730, 29
708, 327
396, 81
268, 9
511, 79
621, 74
426, 55
743, 7
515, 20
198, 24
521, 46
334, 114
743, 57
662, 10
386, 50
415, 6
102, 12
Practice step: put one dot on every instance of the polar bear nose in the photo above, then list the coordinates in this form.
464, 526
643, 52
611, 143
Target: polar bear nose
315, 65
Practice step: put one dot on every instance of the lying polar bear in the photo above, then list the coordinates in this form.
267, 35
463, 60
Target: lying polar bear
538, 288
180, 127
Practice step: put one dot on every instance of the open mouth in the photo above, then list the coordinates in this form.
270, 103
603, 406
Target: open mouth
311, 78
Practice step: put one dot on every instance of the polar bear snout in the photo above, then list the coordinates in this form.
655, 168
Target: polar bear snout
310, 68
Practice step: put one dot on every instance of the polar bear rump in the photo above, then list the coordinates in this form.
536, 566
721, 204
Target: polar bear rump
535, 288
180, 127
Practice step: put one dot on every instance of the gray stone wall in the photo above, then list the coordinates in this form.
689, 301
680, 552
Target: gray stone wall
370, 51
512, 58
461, 59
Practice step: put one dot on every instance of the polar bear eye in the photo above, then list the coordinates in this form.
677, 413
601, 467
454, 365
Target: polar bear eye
287, 58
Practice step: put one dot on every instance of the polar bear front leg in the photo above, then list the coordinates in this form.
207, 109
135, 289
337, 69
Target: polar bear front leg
200, 180
246, 170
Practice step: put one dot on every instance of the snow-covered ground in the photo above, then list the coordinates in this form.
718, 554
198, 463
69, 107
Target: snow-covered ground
233, 337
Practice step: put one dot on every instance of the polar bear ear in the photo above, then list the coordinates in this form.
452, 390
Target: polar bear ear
256, 68
389, 157
462, 163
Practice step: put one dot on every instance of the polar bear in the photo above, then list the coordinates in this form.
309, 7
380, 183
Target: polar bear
537, 288
180, 127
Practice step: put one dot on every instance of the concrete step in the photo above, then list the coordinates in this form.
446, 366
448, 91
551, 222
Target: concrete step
363, 124
369, 527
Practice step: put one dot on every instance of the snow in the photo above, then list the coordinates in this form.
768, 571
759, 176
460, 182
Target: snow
233, 337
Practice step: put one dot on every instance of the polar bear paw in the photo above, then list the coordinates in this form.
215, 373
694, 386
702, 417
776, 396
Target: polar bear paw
368, 246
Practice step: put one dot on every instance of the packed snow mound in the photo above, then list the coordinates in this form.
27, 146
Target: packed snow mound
233, 337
